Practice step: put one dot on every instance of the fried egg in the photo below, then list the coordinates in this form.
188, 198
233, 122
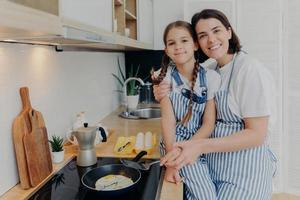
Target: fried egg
113, 182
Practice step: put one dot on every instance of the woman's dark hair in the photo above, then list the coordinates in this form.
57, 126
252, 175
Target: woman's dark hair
234, 42
166, 62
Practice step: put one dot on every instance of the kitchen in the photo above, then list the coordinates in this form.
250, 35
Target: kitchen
65, 80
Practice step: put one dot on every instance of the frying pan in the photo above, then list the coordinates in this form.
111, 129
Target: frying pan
89, 178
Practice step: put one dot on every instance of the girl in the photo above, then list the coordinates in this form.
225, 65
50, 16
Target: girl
188, 107
240, 163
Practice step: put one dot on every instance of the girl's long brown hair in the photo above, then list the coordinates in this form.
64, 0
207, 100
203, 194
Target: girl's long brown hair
166, 62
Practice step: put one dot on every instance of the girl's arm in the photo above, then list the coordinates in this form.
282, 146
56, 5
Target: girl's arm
168, 123
208, 125
208, 121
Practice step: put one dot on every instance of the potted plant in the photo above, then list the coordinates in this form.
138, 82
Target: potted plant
58, 152
132, 89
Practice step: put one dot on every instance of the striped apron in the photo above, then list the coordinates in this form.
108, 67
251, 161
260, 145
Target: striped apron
197, 182
241, 175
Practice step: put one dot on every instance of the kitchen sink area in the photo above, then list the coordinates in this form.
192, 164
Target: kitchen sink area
142, 113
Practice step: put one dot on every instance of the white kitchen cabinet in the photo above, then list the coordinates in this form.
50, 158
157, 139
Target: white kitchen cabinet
164, 12
93, 12
17, 19
226, 6
145, 21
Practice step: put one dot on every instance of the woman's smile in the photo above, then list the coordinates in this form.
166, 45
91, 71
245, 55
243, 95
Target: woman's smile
214, 47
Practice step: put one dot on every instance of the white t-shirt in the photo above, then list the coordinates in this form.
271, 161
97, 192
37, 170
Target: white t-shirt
251, 91
212, 77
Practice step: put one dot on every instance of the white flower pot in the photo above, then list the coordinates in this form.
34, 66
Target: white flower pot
58, 157
132, 101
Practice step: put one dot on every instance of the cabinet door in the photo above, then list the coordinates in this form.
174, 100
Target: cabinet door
28, 19
226, 6
46, 6
145, 21
92, 12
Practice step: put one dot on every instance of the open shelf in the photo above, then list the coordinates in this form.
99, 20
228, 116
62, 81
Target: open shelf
125, 18
118, 2
129, 15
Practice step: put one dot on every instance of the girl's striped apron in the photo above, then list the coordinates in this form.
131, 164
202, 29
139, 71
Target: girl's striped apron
197, 182
240, 175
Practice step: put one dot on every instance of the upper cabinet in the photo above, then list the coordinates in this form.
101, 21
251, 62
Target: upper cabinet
21, 18
106, 24
145, 27
125, 18
94, 13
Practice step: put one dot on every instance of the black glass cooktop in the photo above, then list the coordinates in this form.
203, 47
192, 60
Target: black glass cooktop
66, 184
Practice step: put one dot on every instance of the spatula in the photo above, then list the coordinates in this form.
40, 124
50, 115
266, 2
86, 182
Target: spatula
137, 165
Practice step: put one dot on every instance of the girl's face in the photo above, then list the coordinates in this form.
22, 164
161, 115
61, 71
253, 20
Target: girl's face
213, 38
180, 46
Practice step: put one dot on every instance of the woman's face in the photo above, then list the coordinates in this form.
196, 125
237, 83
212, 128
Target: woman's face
213, 38
180, 46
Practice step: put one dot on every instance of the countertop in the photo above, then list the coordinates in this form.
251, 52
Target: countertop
117, 127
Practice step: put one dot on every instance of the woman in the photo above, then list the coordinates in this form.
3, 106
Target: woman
240, 163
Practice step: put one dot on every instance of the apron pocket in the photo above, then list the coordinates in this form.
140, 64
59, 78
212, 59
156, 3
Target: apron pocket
273, 159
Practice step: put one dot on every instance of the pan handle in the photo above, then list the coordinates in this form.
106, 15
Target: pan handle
139, 156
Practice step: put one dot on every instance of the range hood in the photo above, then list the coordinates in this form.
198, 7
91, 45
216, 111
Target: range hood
79, 37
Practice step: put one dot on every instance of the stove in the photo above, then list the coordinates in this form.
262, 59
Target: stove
66, 183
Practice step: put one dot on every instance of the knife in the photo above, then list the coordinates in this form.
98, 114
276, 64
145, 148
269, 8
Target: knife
123, 147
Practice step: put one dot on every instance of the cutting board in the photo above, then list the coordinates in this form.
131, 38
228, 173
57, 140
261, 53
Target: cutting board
21, 126
37, 150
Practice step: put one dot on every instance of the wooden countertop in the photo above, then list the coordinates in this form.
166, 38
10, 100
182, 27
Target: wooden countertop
117, 127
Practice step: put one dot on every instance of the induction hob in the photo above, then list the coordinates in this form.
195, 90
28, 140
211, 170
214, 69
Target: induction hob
66, 184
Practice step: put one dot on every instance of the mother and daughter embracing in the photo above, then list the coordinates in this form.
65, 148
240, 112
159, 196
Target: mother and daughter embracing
215, 122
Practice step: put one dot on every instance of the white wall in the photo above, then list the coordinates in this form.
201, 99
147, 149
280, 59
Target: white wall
292, 96
60, 85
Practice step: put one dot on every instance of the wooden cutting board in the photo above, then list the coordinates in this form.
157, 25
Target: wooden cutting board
21, 125
37, 150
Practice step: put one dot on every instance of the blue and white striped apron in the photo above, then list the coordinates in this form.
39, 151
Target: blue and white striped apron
197, 182
241, 175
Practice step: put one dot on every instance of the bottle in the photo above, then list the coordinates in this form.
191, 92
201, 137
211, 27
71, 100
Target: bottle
80, 120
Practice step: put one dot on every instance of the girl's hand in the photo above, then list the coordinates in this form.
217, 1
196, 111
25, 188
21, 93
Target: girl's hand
190, 152
161, 90
170, 157
172, 175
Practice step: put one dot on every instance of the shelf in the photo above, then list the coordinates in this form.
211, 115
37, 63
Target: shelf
129, 15
125, 18
118, 2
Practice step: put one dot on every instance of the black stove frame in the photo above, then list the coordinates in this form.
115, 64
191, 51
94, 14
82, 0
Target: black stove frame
66, 183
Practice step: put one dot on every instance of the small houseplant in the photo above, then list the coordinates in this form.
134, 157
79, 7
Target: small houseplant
56, 143
132, 96
132, 87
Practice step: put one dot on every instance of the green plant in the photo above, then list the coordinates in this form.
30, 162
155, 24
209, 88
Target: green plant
132, 87
56, 143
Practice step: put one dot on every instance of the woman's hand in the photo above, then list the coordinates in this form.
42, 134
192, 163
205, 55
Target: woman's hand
189, 152
172, 175
161, 90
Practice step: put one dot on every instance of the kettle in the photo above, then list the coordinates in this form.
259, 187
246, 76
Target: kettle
85, 137
146, 93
